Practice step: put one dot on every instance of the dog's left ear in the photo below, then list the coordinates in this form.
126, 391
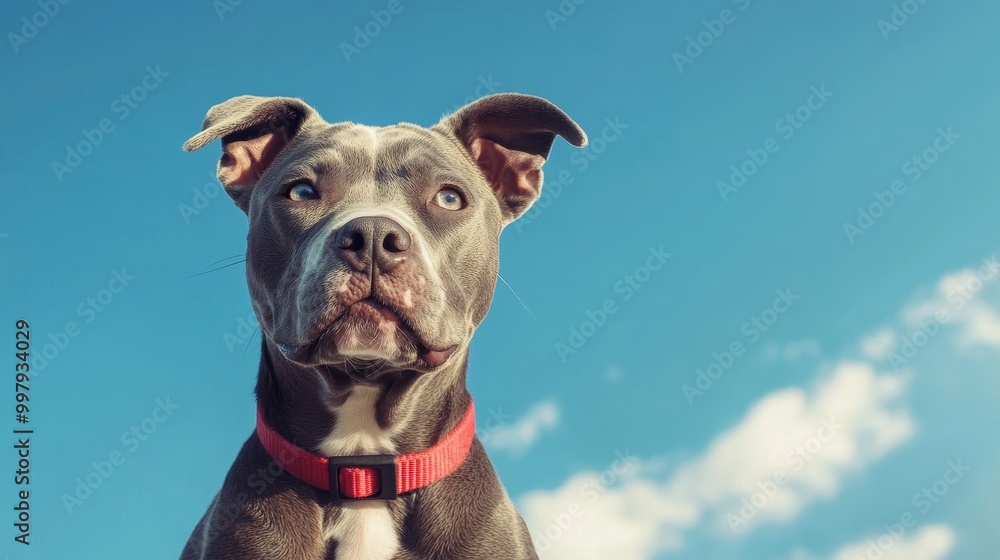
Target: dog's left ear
509, 136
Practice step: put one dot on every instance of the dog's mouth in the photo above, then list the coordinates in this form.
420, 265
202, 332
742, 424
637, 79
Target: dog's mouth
368, 331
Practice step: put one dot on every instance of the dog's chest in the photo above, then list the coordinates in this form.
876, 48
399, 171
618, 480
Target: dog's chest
364, 530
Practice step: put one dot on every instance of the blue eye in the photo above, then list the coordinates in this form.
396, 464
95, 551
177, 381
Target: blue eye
302, 191
449, 199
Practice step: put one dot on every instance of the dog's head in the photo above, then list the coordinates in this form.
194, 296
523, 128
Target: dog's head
378, 245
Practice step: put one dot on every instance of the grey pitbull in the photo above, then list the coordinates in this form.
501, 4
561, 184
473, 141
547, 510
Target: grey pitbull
372, 256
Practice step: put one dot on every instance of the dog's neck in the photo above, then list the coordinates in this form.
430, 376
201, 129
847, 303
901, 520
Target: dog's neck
326, 411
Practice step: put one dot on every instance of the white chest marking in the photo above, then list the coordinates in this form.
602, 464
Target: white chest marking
363, 530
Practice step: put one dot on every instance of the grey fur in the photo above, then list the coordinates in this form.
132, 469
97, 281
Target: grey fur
298, 283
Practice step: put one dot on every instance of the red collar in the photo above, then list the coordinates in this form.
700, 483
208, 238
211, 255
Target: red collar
378, 477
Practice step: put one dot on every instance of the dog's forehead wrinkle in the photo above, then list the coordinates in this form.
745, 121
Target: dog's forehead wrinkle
342, 147
381, 162
323, 160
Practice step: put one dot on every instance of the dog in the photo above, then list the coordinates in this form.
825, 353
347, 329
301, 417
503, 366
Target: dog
372, 257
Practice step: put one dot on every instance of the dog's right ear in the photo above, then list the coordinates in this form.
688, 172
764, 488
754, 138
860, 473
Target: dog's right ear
254, 130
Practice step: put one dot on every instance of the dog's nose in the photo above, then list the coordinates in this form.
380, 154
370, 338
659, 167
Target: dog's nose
372, 239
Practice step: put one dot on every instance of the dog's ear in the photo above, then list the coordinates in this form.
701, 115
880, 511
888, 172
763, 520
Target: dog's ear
509, 136
254, 130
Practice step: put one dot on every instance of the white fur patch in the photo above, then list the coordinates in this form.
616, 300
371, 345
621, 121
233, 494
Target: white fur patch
357, 431
373, 133
363, 530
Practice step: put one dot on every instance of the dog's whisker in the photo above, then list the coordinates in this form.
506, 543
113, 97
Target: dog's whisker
216, 269
255, 331
402, 335
348, 364
516, 296
227, 258
379, 366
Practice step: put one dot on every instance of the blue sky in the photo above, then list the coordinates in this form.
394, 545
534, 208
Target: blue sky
819, 414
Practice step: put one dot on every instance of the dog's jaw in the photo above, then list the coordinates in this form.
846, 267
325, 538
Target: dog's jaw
306, 403
394, 415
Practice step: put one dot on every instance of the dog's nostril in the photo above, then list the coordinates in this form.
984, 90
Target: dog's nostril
352, 241
396, 243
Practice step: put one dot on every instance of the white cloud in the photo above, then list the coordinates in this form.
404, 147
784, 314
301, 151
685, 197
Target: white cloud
521, 435
875, 346
933, 542
584, 520
981, 325
957, 301
640, 513
792, 351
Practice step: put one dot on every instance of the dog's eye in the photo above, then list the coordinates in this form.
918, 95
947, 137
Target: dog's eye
302, 191
449, 199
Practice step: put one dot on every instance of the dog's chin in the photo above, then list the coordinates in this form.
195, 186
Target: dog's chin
368, 337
